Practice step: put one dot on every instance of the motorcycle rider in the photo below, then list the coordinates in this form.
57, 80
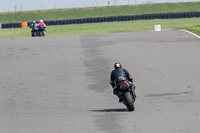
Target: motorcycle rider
42, 25
118, 76
34, 26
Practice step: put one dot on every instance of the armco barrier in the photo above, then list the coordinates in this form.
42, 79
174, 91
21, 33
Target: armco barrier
109, 19
11, 25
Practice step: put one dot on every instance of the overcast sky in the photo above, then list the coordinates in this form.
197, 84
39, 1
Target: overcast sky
24, 5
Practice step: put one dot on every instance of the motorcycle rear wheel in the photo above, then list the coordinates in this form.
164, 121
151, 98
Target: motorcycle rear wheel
33, 34
128, 100
40, 33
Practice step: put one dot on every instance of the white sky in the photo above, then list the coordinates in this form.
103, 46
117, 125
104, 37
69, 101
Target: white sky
24, 5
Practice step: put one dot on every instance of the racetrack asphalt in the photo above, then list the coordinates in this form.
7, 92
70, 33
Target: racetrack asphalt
61, 84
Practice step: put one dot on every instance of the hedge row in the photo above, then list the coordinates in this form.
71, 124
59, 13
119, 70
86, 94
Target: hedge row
112, 19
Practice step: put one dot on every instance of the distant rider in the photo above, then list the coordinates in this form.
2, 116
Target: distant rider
118, 76
34, 26
41, 26
41, 23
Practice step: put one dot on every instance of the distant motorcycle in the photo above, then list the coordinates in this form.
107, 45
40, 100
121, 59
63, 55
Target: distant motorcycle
127, 95
34, 33
41, 30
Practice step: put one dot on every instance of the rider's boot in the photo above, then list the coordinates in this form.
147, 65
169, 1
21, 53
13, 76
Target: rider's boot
120, 98
133, 90
116, 92
134, 96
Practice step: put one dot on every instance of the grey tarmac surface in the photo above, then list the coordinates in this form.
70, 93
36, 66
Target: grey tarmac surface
61, 84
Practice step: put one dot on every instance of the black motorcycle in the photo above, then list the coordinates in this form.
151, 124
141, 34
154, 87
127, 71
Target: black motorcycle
127, 95
34, 33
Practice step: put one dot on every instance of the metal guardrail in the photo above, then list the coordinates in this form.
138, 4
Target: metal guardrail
112, 19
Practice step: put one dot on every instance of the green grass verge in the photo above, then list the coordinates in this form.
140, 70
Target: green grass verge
98, 12
194, 29
109, 27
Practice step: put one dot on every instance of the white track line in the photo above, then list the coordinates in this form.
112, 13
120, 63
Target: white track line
191, 33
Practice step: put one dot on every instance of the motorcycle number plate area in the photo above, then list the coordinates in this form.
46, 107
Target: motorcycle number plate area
124, 87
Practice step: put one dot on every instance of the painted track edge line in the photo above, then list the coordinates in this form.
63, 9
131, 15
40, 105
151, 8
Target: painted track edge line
191, 33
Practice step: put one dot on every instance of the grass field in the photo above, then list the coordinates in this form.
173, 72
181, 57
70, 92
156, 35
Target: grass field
191, 24
98, 12
108, 27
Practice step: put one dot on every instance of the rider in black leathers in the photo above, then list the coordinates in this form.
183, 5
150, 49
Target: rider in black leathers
34, 26
118, 76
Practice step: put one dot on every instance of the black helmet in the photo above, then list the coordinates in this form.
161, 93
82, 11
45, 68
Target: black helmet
118, 65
